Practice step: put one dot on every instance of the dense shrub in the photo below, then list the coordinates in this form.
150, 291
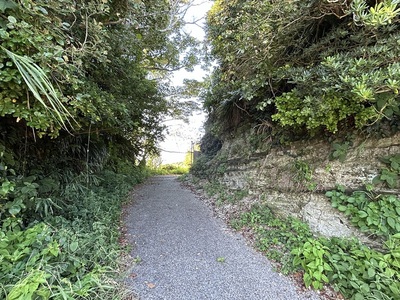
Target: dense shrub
72, 251
305, 64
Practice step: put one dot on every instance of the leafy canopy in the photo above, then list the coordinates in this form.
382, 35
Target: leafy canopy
305, 64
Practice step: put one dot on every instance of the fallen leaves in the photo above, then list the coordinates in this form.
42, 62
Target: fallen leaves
150, 285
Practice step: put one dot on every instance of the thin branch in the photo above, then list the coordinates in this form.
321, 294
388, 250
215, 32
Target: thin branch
120, 21
165, 68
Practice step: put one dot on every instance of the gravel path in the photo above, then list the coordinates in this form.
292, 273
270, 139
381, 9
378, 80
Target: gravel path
186, 253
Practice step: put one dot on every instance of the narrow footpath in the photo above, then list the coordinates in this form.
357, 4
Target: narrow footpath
184, 253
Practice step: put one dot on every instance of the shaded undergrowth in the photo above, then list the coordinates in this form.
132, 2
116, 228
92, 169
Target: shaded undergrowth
60, 241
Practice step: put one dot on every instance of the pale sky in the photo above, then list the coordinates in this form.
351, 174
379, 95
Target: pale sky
180, 134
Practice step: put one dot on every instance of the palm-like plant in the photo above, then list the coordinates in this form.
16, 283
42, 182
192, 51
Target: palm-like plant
40, 86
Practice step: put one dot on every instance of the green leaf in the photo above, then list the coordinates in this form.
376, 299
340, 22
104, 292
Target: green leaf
365, 288
7, 4
376, 180
12, 19
73, 246
54, 250
307, 279
395, 289
42, 10
296, 261
311, 265
388, 112
359, 296
317, 285
362, 214
354, 284
389, 272
380, 103
14, 210
391, 222
327, 267
397, 210
317, 275
324, 278
371, 272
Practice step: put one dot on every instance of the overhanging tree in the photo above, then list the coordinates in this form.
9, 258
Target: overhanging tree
95, 69
307, 64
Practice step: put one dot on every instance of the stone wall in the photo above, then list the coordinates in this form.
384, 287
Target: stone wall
292, 180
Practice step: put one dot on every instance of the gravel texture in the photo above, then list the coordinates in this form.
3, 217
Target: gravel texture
186, 253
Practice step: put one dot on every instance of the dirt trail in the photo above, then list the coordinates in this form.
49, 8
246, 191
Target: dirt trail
186, 253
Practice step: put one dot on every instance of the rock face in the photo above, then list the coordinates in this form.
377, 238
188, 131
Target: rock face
292, 180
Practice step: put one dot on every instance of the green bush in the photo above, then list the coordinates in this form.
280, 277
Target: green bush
171, 169
390, 175
70, 253
303, 64
377, 215
356, 270
275, 236
201, 167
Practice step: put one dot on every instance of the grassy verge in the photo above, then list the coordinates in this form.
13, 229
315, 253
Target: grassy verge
356, 270
61, 242
352, 268
171, 169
